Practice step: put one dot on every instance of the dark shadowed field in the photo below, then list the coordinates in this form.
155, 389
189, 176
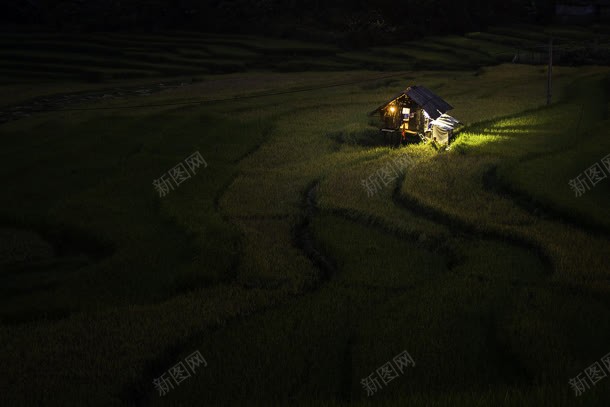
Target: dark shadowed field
295, 284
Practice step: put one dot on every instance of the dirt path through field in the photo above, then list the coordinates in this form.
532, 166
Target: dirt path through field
63, 100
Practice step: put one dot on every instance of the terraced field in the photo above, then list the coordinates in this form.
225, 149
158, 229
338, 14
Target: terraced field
104, 57
293, 281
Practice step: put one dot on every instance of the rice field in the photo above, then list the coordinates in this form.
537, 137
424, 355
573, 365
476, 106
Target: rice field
273, 261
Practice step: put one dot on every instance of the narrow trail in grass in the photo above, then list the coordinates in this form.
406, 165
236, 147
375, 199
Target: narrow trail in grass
62, 100
138, 393
514, 369
460, 226
431, 244
493, 183
593, 113
304, 239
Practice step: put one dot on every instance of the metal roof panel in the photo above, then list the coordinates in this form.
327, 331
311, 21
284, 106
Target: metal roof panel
430, 102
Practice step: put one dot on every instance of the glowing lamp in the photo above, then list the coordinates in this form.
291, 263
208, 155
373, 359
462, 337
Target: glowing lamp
392, 109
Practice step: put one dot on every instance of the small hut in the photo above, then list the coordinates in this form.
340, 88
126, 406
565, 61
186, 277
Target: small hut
418, 112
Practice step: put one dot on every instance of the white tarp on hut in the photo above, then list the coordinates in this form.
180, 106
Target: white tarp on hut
442, 128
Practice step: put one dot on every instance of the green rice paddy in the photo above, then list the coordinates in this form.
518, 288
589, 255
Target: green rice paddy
273, 261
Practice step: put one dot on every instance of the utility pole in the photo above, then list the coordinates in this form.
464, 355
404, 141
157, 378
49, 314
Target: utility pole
549, 80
